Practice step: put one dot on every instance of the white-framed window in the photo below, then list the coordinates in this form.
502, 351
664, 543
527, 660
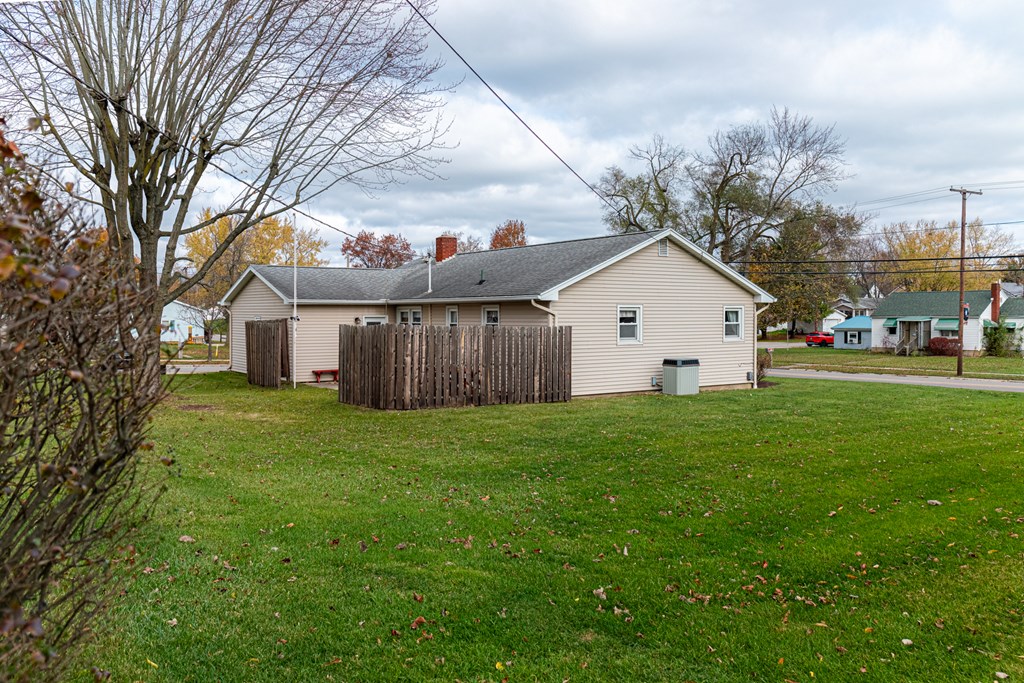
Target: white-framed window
853, 337
490, 316
955, 334
630, 324
663, 247
890, 330
371, 320
451, 316
732, 323
413, 315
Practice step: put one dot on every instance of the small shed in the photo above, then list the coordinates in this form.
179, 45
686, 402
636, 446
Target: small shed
854, 333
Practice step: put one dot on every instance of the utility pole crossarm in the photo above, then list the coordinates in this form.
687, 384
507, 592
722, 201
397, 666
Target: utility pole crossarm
962, 313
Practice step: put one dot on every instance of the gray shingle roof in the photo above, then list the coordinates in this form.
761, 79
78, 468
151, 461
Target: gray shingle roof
1012, 308
515, 273
934, 304
331, 284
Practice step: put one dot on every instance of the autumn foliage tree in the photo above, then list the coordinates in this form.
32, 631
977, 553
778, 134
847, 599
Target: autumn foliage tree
511, 233
926, 240
269, 242
74, 410
367, 250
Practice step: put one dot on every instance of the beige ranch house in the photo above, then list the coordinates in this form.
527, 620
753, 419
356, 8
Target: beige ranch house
632, 301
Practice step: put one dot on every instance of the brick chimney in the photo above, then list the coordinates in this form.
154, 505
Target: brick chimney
996, 294
445, 247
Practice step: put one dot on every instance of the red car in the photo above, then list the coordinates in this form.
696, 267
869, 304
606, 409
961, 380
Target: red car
820, 339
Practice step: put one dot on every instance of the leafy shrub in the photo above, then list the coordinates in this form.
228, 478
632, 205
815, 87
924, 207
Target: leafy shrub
943, 346
1000, 341
73, 416
764, 364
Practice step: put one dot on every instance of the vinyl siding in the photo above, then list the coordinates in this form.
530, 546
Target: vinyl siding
318, 327
683, 312
318, 335
256, 300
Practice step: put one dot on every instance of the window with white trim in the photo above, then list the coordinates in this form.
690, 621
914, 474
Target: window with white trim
490, 316
663, 246
371, 320
953, 334
733, 323
630, 324
451, 315
853, 337
410, 316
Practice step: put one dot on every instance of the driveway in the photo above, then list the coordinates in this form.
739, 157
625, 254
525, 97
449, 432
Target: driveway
946, 382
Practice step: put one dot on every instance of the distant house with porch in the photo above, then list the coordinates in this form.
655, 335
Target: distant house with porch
904, 322
854, 333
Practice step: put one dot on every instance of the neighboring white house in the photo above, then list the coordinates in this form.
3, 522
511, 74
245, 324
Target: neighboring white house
904, 322
179, 322
631, 300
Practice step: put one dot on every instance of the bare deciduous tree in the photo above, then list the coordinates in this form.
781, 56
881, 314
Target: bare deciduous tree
652, 199
150, 103
745, 184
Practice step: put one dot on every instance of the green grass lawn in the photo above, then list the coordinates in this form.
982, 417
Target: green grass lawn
782, 534
848, 360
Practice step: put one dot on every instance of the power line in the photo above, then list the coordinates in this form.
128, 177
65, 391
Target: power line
519, 118
981, 257
830, 273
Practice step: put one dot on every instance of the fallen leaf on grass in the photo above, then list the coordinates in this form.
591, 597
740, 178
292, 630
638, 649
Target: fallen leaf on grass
599, 592
172, 622
186, 539
417, 597
417, 622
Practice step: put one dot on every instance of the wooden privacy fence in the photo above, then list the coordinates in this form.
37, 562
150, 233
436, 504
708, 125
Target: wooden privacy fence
402, 367
266, 352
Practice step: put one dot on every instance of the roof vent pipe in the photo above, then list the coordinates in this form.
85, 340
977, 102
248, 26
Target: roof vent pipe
430, 275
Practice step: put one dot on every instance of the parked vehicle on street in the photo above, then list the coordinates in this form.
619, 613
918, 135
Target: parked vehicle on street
820, 339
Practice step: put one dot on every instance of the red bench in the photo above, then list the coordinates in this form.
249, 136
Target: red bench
332, 373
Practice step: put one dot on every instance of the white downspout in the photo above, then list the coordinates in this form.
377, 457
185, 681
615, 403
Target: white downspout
295, 297
757, 311
554, 315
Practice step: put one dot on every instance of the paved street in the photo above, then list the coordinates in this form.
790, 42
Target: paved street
947, 382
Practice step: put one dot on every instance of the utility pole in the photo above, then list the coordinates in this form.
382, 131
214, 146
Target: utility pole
962, 314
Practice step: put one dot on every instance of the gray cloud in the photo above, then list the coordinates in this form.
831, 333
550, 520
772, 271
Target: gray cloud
927, 94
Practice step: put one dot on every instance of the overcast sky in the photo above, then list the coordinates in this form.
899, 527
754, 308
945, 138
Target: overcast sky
926, 94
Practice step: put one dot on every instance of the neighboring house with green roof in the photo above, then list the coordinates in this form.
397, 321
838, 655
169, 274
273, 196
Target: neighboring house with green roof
904, 321
631, 300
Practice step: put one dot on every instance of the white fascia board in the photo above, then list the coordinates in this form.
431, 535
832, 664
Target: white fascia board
462, 300
760, 295
249, 273
340, 302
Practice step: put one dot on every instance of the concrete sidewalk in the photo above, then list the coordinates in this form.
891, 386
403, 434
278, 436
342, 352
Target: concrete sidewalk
196, 369
945, 382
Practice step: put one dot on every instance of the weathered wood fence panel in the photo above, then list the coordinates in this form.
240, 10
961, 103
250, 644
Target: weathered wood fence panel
266, 352
402, 367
